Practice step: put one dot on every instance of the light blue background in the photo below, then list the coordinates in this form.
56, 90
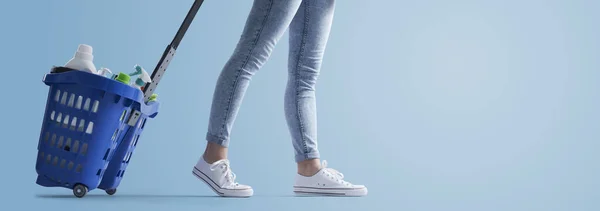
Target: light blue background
434, 105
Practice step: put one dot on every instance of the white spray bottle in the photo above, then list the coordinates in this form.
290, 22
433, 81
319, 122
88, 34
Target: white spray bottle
103, 71
143, 79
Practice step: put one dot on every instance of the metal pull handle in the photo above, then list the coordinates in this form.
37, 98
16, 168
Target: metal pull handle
169, 52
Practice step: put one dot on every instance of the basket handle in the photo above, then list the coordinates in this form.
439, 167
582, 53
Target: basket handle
169, 52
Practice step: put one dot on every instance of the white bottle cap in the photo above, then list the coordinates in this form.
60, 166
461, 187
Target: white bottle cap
84, 52
83, 48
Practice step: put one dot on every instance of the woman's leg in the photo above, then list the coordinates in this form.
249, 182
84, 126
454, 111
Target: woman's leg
309, 32
267, 22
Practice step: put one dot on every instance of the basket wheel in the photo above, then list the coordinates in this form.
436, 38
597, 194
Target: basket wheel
111, 191
80, 190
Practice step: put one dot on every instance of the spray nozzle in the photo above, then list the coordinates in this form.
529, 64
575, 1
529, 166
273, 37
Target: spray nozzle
103, 71
143, 78
138, 70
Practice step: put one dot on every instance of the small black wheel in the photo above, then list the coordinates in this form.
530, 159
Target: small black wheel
111, 191
80, 190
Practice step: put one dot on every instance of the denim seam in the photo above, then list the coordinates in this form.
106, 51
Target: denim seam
237, 75
296, 72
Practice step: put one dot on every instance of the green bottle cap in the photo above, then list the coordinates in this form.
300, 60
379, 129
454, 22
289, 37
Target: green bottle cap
153, 97
123, 78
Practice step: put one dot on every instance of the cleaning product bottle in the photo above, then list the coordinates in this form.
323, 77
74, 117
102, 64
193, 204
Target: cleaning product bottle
82, 60
138, 70
123, 78
103, 72
141, 81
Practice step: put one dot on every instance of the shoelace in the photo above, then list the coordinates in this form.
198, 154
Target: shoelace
337, 175
228, 175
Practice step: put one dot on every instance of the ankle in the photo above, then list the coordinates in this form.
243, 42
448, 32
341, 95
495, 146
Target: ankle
214, 153
309, 168
211, 159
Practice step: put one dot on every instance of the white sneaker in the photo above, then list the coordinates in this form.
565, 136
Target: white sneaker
221, 179
327, 181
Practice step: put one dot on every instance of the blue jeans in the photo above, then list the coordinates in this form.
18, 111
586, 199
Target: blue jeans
309, 23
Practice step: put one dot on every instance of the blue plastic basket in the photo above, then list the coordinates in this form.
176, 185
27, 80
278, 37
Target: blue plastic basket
85, 130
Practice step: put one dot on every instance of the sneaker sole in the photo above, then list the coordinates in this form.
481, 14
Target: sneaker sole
308, 191
244, 193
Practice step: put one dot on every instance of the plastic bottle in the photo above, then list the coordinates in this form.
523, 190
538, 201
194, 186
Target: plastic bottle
142, 80
138, 70
103, 72
83, 59
123, 78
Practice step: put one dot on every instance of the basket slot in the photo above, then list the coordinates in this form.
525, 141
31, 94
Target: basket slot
95, 106
59, 118
106, 154
53, 140
63, 100
123, 115
66, 121
73, 124
137, 137
86, 105
79, 102
71, 100
57, 95
81, 125
68, 145
60, 142
90, 128
84, 148
79, 168
115, 135
55, 161
127, 157
75, 146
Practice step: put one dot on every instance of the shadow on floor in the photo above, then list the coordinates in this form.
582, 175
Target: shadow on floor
164, 196
66, 196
